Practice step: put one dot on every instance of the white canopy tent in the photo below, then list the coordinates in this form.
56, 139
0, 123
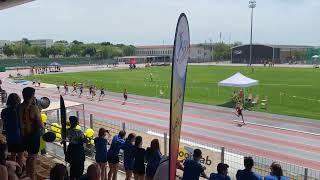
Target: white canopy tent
238, 80
315, 56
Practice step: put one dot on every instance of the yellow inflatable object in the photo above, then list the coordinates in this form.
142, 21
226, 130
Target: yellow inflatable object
89, 133
55, 127
78, 127
58, 136
92, 141
44, 118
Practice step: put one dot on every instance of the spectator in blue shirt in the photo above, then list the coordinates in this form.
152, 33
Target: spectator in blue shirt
276, 173
128, 150
222, 174
247, 173
113, 154
101, 143
13, 128
192, 167
153, 157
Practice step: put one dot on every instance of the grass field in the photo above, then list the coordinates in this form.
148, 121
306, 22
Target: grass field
299, 88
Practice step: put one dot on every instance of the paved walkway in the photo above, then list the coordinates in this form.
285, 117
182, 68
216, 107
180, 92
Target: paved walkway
210, 125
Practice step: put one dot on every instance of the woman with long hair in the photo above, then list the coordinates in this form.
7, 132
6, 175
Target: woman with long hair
128, 160
113, 154
153, 157
101, 143
276, 173
13, 128
59, 172
139, 168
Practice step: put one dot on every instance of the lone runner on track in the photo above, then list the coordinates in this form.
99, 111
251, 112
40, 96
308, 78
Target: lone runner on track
239, 108
125, 96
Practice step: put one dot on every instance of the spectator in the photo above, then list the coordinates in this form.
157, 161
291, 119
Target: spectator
153, 157
113, 154
31, 125
247, 173
59, 172
75, 152
276, 173
7, 168
129, 149
13, 128
163, 169
222, 174
139, 168
192, 167
93, 173
101, 143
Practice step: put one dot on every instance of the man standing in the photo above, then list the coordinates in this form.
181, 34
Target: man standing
31, 125
247, 173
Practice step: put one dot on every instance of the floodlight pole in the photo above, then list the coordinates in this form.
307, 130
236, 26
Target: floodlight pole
252, 5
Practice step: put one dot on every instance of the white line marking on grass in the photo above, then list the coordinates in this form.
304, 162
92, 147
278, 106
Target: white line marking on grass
293, 85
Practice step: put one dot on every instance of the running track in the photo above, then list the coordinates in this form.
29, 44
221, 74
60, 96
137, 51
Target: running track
209, 125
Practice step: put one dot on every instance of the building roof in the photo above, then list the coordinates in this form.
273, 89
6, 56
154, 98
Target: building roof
279, 46
163, 46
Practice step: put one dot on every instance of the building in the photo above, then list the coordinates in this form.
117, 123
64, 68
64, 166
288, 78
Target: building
264, 52
41, 42
4, 42
198, 52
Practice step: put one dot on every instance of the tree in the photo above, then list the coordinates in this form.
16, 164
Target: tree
221, 52
128, 50
35, 50
77, 42
44, 52
76, 49
106, 44
8, 50
89, 50
56, 49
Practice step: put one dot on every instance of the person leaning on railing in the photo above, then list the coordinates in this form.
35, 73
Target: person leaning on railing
101, 143
192, 167
247, 173
153, 157
276, 173
128, 150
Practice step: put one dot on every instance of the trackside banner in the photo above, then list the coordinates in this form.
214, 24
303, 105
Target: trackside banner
178, 80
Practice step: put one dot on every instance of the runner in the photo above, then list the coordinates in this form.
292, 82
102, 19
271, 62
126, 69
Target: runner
74, 85
65, 87
102, 94
94, 89
34, 83
125, 96
90, 91
239, 109
58, 87
81, 90
39, 83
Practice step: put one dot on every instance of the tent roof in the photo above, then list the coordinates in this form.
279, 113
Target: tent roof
315, 56
54, 64
238, 80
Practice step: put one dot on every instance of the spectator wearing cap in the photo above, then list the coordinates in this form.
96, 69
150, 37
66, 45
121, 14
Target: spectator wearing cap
192, 167
247, 173
31, 125
222, 174
276, 173
101, 143
113, 154
13, 128
75, 152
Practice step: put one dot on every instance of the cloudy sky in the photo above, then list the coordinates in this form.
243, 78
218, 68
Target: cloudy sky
144, 22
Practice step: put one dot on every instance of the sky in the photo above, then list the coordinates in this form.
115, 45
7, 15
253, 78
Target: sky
147, 22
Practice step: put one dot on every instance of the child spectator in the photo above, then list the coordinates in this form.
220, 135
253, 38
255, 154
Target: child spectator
13, 128
222, 174
139, 168
247, 173
75, 152
129, 149
113, 154
59, 172
276, 173
192, 167
101, 151
153, 157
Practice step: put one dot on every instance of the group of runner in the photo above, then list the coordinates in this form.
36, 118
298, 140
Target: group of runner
92, 91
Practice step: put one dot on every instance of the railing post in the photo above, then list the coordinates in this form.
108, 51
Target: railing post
58, 116
305, 173
222, 154
165, 143
124, 126
91, 121
77, 114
